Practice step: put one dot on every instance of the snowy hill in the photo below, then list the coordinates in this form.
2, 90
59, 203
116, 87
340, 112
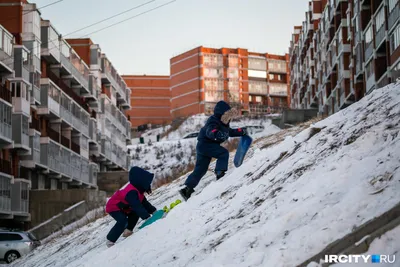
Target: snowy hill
285, 204
173, 157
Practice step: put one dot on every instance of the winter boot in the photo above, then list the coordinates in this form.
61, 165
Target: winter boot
109, 243
186, 192
127, 233
219, 174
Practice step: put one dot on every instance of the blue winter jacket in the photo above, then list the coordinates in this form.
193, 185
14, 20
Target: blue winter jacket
215, 131
141, 180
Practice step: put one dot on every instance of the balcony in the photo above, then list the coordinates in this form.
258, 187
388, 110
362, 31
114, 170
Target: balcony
93, 170
21, 102
50, 43
62, 161
93, 95
73, 68
393, 16
50, 98
35, 95
20, 197
370, 84
33, 160
65, 109
67, 90
80, 119
343, 48
110, 76
6, 51
5, 134
22, 63
106, 148
369, 49
93, 129
20, 129
380, 34
5, 196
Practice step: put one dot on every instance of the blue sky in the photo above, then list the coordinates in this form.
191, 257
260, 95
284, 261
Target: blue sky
145, 44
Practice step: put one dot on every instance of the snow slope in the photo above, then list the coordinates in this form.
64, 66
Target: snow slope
283, 205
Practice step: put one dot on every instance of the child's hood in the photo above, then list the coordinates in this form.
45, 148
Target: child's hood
220, 108
141, 179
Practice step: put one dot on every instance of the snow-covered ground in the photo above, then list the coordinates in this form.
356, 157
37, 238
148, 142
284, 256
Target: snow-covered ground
283, 205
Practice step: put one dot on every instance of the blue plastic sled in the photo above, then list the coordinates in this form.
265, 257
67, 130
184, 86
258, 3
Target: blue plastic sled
243, 147
159, 214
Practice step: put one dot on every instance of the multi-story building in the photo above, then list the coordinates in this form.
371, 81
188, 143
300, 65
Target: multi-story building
63, 128
252, 82
108, 147
343, 51
150, 99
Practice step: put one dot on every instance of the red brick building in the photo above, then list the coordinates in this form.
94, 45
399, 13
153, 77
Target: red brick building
252, 82
150, 99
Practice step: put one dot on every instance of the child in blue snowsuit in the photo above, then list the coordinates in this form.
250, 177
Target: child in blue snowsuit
215, 132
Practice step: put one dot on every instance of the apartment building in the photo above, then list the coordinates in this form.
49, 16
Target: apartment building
343, 51
54, 110
109, 148
252, 82
150, 99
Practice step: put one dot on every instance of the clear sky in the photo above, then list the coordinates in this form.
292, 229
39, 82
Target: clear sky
145, 44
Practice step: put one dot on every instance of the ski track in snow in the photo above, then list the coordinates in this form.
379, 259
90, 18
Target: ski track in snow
282, 206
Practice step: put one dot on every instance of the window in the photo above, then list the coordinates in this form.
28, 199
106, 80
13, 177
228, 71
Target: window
271, 76
25, 58
392, 4
25, 125
395, 39
380, 19
10, 237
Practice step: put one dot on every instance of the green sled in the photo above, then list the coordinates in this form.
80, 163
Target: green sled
159, 214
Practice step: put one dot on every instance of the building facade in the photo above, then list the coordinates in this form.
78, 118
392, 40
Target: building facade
343, 51
54, 111
150, 99
252, 82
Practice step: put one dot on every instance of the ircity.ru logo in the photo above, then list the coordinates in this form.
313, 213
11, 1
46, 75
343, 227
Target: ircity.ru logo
360, 258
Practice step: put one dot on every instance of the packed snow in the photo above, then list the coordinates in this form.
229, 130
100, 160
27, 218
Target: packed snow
286, 203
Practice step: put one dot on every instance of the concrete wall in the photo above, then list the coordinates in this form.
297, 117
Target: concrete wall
295, 116
111, 181
44, 204
63, 219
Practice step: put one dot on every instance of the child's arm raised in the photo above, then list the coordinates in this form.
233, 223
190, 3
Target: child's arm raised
237, 132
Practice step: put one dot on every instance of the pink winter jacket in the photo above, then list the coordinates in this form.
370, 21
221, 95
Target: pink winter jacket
119, 196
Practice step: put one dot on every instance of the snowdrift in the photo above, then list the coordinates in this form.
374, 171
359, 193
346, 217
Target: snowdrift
282, 206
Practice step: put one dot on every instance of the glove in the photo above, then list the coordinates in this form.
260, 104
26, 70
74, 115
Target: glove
221, 136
